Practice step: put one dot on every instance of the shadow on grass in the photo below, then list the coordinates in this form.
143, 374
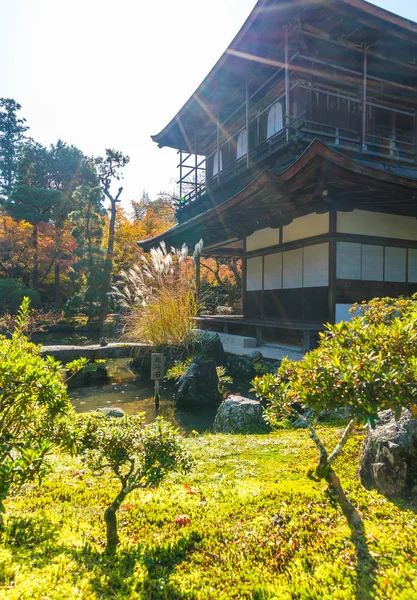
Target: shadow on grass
366, 565
138, 568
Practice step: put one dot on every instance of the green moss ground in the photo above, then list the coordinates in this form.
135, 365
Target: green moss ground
263, 530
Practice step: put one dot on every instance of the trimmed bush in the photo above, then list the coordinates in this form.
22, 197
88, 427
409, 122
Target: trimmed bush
12, 292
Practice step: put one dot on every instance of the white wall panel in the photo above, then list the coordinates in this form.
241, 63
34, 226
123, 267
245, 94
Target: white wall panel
316, 265
364, 222
348, 260
262, 239
412, 265
372, 263
254, 274
273, 271
342, 312
395, 264
293, 268
305, 227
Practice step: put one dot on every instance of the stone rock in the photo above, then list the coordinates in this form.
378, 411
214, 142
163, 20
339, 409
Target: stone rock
198, 386
103, 342
210, 346
111, 412
236, 413
86, 377
256, 355
66, 353
388, 459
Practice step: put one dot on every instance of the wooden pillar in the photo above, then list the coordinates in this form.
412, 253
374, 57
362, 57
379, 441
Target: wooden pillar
244, 278
180, 174
364, 93
195, 169
218, 149
332, 264
247, 123
287, 86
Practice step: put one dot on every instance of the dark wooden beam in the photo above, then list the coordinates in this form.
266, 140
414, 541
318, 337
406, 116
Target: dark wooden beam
375, 24
324, 36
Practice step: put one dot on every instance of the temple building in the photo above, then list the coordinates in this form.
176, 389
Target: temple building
298, 153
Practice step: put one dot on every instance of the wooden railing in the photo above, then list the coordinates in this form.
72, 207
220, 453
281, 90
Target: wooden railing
397, 146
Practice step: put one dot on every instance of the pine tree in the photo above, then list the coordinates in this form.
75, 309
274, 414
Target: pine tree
12, 136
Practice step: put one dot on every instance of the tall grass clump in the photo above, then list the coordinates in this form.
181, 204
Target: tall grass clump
160, 298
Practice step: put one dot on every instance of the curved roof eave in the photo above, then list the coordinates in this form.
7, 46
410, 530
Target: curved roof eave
161, 138
316, 149
165, 131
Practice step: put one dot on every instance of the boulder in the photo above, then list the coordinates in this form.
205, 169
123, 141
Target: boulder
237, 413
389, 454
256, 355
111, 412
210, 346
92, 374
198, 386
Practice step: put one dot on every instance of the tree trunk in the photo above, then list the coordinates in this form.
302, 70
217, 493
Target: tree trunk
57, 275
2, 511
352, 516
57, 284
110, 519
198, 278
35, 276
108, 266
111, 525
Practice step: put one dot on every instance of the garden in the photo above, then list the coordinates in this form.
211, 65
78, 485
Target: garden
314, 503
241, 477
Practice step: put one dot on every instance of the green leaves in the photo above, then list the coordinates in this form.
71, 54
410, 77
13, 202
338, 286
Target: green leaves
33, 400
367, 365
139, 456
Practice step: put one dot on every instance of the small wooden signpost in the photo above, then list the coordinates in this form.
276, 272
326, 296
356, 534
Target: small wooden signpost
157, 372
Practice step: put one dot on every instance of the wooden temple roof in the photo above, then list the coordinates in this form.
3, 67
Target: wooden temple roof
321, 179
338, 29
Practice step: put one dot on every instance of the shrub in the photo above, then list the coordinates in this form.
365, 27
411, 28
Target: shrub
33, 405
140, 457
159, 296
363, 366
12, 292
37, 320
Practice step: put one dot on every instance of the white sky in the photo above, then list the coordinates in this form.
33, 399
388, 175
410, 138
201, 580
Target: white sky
101, 73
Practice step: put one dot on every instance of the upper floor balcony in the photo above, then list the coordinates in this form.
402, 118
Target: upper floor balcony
268, 137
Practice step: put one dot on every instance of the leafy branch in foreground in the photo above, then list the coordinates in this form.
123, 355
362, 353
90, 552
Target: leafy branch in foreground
139, 457
34, 406
363, 366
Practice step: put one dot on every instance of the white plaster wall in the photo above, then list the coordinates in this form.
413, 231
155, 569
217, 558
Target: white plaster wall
316, 265
305, 227
372, 263
254, 274
412, 265
262, 239
348, 260
342, 312
364, 222
395, 264
292, 267
273, 271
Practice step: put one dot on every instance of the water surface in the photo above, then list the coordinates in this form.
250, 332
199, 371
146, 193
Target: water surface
133, 392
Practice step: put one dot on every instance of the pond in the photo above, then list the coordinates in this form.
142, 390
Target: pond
133, 392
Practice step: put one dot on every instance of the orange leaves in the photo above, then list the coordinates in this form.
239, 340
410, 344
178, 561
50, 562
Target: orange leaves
182, 520
189, 489
193, 492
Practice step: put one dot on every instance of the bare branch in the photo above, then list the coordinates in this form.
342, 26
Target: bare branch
342, 441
